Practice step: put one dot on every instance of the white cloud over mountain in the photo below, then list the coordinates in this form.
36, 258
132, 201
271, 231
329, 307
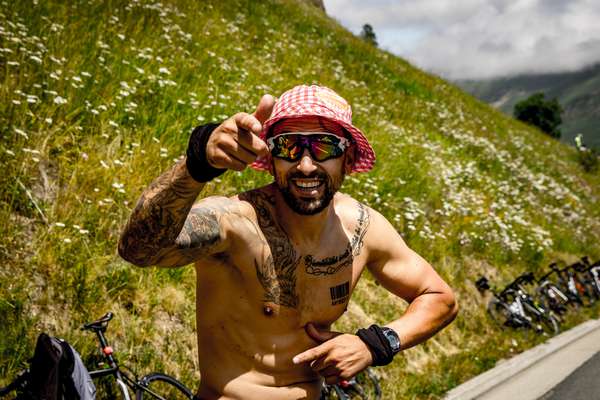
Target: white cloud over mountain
478, 39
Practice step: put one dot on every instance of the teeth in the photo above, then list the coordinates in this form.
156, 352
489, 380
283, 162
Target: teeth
308, 184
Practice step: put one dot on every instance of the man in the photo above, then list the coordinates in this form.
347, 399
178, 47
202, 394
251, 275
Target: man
276, 265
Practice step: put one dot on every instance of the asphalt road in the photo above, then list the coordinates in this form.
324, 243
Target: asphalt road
582, 384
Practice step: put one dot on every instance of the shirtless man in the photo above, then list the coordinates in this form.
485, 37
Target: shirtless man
276, 266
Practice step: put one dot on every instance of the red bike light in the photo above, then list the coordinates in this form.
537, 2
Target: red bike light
107, 350
344, 383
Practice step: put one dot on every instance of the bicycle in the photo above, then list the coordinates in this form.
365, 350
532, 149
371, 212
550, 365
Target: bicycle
550, 296
571, 284
514, 307
591, 277
152, 386
364, 386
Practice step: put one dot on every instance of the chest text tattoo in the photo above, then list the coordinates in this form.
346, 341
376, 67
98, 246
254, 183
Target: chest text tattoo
331, 265
277, 273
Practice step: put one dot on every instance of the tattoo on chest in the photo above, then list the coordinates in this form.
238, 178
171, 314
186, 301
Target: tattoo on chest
276, 273
331, 265
340, 293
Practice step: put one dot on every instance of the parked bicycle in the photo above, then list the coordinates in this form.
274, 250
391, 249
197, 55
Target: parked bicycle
514, 307
590, 273
550, 295
152, 386
572, 285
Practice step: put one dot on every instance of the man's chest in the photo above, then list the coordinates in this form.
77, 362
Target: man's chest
309, 284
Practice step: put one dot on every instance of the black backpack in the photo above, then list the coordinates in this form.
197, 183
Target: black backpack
52, 374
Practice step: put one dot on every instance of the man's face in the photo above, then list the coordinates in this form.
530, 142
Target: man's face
307, 185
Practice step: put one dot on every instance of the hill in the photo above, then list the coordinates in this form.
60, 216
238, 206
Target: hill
97, 98
578, 93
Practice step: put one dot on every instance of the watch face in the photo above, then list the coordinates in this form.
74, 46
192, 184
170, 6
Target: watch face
392, 338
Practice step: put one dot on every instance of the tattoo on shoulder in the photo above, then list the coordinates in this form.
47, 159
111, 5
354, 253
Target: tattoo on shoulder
201, 232
276, 273
331, 265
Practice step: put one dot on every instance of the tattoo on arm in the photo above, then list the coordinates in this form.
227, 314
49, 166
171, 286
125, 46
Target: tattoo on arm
161, 229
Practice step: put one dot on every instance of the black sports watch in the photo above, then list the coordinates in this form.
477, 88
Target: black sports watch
392, 338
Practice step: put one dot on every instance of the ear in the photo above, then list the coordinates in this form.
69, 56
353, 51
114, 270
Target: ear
349, 159
271, 165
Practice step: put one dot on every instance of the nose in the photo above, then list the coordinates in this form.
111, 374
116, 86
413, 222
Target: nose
306, 164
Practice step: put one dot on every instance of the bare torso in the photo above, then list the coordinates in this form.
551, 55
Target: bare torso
254, 300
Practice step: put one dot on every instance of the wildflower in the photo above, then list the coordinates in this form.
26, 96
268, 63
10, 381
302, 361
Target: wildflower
13, 63
84, 231
35, 59
59, 224
10, 152
48, 121
67, 240
21, 132
104, 164
16, 102
164, 70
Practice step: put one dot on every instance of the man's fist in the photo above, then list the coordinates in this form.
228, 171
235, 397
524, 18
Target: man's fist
236, 143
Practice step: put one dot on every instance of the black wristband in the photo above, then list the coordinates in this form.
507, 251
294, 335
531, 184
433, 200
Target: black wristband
378, 345
196, 161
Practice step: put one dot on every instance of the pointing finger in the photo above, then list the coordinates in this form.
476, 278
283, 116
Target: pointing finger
311, 354
248, 122
264, 108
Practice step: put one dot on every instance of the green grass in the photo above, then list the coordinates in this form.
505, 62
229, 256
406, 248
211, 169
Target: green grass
97, 98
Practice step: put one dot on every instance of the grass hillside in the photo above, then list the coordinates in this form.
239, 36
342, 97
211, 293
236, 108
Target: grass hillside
99, 97
577, 92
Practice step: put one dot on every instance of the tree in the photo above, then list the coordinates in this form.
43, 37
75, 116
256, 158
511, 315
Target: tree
368, 34
545, 114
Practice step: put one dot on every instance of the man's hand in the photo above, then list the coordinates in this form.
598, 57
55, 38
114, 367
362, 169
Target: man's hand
339, 356
235, 143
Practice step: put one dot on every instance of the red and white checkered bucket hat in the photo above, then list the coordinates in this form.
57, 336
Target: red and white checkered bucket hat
318, 101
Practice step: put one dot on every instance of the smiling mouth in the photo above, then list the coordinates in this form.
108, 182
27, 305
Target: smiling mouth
307, 184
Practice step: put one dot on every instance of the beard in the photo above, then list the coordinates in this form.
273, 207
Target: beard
308, 205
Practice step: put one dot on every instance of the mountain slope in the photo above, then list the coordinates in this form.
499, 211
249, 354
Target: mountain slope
578, 92
98, 98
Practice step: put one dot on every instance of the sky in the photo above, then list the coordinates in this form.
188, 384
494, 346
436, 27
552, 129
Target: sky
478, 39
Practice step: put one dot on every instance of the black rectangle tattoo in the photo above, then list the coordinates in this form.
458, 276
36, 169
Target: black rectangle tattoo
339, 293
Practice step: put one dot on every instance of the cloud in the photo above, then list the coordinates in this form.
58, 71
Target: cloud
475, 39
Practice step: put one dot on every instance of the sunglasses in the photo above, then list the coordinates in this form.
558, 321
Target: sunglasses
321, 146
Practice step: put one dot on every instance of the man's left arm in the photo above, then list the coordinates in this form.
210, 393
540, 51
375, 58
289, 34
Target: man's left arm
432, 304
403, 272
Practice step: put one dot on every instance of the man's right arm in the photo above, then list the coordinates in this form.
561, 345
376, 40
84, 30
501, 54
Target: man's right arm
165, 228
162, 230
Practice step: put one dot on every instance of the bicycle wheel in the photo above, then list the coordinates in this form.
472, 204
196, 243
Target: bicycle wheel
500, 313
544, 321
162, 387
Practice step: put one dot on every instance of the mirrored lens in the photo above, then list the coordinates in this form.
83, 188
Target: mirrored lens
321, 147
